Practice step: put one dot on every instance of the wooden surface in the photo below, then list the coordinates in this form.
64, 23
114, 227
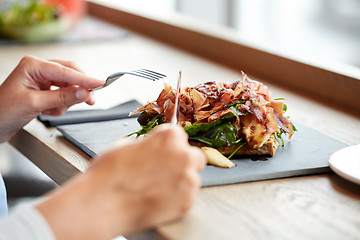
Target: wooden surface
311, 207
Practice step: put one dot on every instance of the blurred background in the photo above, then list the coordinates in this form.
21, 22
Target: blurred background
322, 29
327, 31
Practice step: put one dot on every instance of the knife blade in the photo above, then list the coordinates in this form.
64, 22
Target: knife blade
174, 119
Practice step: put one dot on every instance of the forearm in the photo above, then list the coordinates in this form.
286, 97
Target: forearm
84, 209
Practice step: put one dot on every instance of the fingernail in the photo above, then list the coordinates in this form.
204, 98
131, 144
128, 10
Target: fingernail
81, 94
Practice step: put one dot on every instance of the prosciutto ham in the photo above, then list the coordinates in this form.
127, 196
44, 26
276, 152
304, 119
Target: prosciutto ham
258, 116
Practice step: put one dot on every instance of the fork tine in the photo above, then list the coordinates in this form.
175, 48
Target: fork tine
144, 75
149, 73
156, 73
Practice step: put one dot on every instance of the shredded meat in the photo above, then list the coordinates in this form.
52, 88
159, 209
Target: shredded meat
209, 101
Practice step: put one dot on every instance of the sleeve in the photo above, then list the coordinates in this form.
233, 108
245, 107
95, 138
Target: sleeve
25, 222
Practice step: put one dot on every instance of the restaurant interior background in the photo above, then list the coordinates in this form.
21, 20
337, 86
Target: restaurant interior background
325, 31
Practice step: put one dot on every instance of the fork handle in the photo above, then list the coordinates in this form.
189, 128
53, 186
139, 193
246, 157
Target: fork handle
114, 76
110, 79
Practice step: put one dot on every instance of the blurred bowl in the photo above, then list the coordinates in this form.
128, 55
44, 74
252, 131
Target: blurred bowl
40, 32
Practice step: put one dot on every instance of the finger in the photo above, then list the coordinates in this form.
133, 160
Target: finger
68, 64
61, 84
91, 100
177, 130
199, 159
55, 111
121, 142
60, 98
181, 137
45, 71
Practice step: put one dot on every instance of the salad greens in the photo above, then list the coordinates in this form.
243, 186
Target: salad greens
218, 134
278, 135
157, 120
221, 133
31, 14
284, 105
235, 103
242, 143
279, 138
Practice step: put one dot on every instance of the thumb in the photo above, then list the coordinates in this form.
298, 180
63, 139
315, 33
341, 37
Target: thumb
62, 97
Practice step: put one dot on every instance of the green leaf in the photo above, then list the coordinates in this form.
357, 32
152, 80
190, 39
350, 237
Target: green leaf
223, 135
148, 127
200, 128
235, 103
294, 128
237, 111
284, 107
279, 138
213, 135
243, 143
233, 107
202, 139
217, 134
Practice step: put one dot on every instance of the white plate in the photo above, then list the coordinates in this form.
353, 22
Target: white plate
346, 163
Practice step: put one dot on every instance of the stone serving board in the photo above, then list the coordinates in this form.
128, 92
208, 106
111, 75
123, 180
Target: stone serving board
307, 153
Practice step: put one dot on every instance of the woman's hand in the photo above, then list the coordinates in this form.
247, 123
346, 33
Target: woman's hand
133, 186
26, 92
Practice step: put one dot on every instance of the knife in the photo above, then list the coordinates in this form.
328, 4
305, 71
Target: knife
174, 119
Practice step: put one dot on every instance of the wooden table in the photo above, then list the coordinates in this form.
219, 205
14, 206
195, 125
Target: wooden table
309, 207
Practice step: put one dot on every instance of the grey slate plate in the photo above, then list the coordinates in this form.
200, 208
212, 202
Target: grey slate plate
308, 152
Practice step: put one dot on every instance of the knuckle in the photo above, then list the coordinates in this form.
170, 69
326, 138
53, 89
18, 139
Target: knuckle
163, 137
32, 101
62, 98
185, 157
173, 136
27, 60
72, 65
64, 72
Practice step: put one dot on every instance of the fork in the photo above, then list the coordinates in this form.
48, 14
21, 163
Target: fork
144, 73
